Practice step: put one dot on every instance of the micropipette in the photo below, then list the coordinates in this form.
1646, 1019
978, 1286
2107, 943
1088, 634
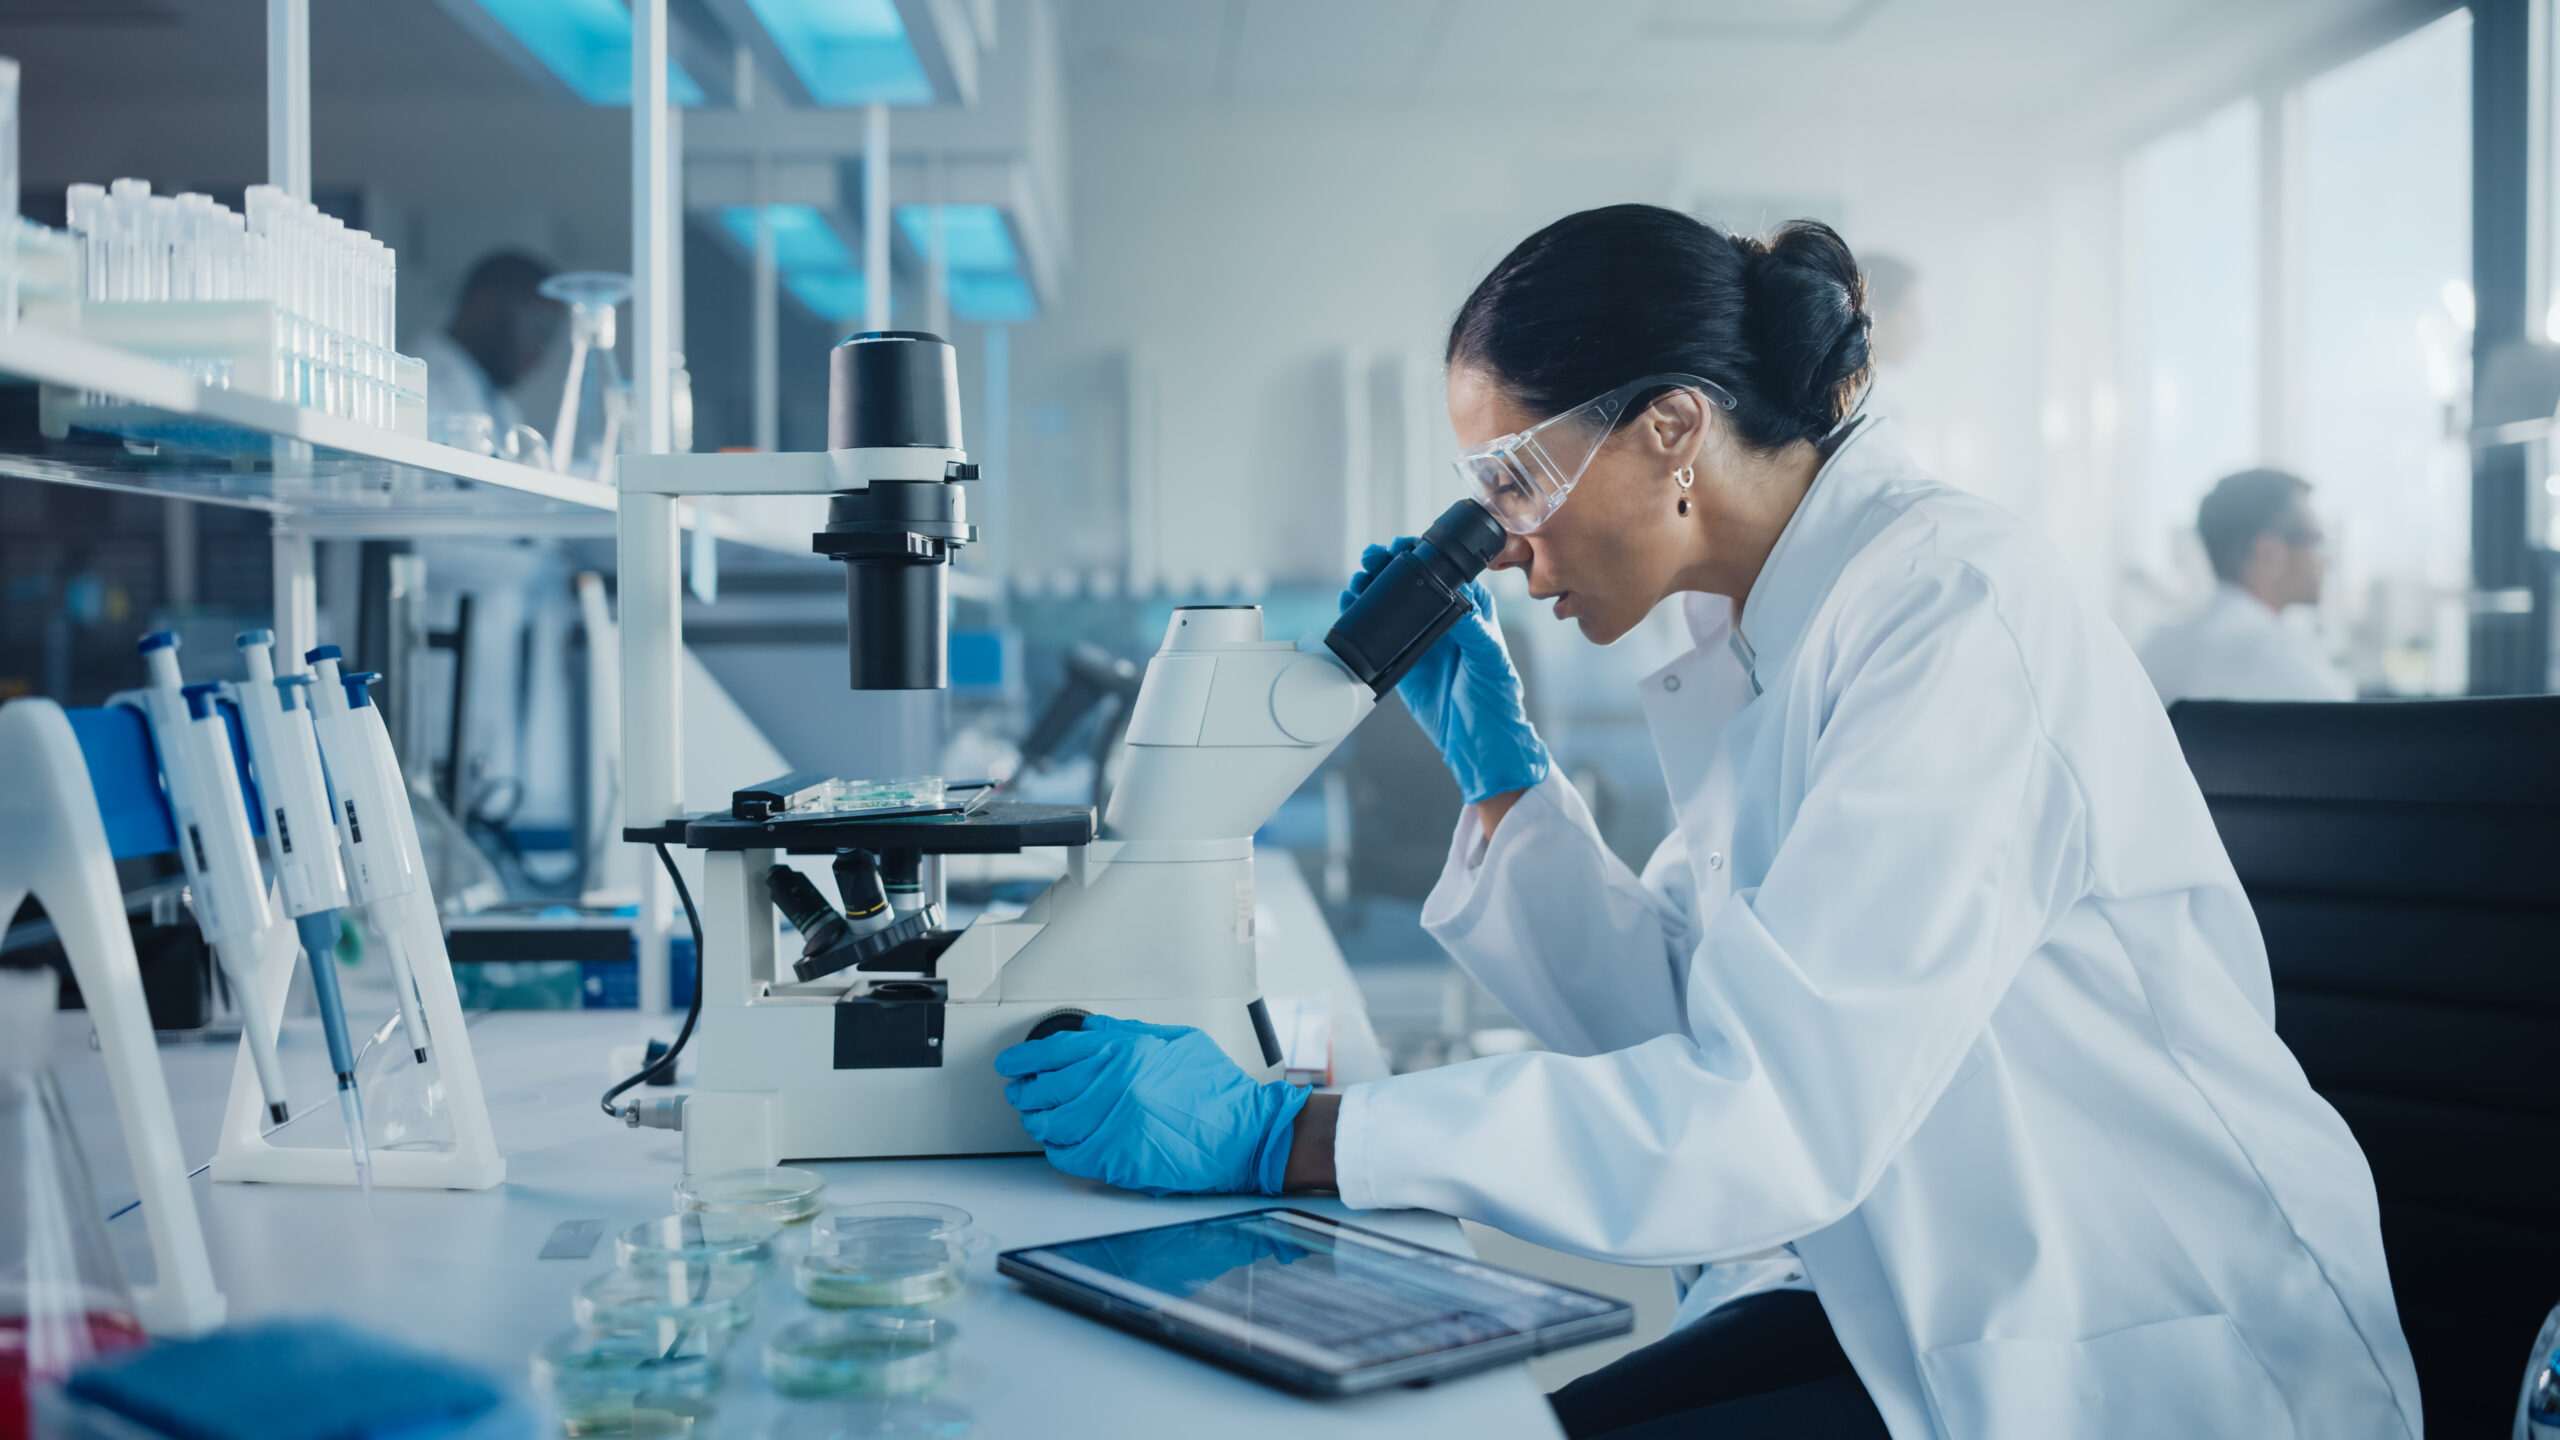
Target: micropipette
214, 846
284, 753
372, 817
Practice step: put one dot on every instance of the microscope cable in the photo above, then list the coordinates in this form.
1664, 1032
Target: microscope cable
666, 1064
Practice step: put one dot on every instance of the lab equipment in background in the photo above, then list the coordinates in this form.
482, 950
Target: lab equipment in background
63, 1299
591, 296
79, 791
1097, 680
1153, 921
284, 754
283, 302
1305, 1027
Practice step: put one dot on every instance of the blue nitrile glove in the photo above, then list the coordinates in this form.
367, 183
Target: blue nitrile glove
1158, 1108
1465, 694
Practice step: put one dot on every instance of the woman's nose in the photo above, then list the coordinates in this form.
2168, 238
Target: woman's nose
1514, 554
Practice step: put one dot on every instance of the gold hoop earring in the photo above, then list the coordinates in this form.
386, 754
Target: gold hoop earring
1686, 476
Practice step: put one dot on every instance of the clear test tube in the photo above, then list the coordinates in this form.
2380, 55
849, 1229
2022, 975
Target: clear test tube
158, 220
85, 210
125, 200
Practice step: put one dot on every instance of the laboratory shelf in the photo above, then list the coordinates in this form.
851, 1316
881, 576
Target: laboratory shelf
323, 476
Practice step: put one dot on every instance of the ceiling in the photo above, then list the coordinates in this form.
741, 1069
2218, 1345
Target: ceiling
72, 50
1985, 59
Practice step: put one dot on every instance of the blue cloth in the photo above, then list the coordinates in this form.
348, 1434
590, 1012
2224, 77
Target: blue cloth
1158, 1108
287, 1380
1465, 694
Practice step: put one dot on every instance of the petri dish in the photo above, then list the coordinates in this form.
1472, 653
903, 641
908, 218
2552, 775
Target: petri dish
627, 1382
870, 1353
881, 1272
701, 1238
892, 1219
780, 1193
719, 1300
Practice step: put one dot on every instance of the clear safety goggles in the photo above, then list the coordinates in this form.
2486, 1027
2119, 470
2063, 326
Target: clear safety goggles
1522, 478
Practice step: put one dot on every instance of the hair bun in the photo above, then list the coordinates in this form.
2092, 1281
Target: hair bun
1807, 316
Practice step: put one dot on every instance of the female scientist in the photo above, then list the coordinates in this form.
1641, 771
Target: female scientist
1943, 981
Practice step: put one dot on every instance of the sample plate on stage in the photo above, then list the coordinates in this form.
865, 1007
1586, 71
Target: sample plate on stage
1313, 1304
990, 830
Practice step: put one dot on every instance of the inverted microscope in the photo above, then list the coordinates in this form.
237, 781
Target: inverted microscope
878, 1038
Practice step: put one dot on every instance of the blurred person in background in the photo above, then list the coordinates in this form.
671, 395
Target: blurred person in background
2268, 554
500, 329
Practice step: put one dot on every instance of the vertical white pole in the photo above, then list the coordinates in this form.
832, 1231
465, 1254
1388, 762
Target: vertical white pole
766, 303
652, 613
995, 455
297, 592
289, 96
2280, 224
652, 240
875, 218
937, 267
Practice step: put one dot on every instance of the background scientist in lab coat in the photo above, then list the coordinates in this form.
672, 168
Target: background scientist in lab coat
1943, 980
501, 327
2268, 555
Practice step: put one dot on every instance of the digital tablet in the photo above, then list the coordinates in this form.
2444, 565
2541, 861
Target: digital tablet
1312, 1304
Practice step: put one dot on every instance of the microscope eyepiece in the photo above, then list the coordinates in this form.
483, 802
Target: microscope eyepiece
1415, 600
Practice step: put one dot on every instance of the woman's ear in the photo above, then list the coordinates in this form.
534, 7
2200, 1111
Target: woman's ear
1675, 427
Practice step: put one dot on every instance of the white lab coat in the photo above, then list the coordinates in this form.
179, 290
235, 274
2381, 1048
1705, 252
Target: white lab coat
2235, 648
1946, 980
456, 385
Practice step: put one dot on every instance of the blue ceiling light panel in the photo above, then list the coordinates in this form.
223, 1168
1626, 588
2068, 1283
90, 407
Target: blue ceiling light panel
829, 294
973, 236
846, 52
985, 267
587, 44
802, 238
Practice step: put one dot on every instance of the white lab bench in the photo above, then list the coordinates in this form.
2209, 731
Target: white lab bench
457, 1272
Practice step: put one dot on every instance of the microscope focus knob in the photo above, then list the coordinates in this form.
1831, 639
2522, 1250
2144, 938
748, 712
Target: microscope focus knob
1054, 1022
1316, 700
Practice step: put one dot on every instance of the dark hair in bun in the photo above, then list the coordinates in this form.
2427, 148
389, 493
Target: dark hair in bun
1599, 298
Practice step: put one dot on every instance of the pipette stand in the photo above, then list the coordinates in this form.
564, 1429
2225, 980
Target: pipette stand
53, 844
472, 1164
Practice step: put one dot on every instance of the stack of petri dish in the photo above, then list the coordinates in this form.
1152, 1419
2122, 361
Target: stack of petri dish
863, 1352
654, 1380
781, 1193
892, 1255
700, 1239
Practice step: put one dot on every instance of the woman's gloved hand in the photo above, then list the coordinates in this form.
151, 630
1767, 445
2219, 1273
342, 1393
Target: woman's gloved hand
1466, 695
1158, 1108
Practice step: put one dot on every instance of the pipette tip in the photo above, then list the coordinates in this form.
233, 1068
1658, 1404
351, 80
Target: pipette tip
421, 1053
352, 1109
279, 1114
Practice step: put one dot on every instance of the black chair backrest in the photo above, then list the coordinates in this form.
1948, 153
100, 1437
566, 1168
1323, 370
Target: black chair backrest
2404, 862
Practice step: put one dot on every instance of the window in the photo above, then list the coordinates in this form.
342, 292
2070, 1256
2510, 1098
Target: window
2385, 351
2194, 208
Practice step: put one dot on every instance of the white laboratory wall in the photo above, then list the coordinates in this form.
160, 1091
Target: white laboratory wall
1236, 264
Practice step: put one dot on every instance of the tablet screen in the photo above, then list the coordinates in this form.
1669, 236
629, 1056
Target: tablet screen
1324, 1295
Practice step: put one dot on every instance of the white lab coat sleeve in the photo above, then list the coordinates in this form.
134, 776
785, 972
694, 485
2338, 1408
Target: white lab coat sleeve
1938, 838
1552, 923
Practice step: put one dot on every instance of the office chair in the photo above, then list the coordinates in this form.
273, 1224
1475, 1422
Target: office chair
2404, 862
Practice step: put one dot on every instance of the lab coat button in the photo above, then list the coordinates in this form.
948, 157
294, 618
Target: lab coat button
1715, 860
1670, 682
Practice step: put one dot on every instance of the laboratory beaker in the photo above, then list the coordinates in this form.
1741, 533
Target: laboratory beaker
591, 296
63, 1298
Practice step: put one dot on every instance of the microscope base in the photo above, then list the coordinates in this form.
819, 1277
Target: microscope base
776, 1098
